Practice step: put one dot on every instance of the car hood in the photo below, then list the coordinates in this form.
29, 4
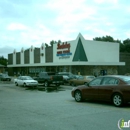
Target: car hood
80, 87
29, 80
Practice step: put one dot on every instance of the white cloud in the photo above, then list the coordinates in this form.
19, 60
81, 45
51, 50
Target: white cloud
106, 1
128, 34
16, 26
40, 22
71, 11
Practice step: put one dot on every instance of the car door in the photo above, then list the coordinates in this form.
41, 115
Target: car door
91, 91
80, 80
106, 88
74, 81
20, 80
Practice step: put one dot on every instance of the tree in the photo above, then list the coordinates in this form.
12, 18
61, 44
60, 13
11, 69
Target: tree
53, 42
59, 41
46, 45
124, 47
127, 45
106, 39
3, 61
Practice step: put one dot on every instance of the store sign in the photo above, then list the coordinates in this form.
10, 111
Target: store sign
63, 50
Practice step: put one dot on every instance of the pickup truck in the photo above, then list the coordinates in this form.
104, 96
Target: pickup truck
48, 78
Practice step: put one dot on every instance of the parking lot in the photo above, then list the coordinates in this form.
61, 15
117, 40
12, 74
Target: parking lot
40, 109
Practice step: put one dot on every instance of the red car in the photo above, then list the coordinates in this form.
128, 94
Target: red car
114, 88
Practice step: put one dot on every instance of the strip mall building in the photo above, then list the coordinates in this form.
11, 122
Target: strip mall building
77, 56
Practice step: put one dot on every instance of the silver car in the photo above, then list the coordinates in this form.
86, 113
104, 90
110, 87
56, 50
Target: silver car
25, 81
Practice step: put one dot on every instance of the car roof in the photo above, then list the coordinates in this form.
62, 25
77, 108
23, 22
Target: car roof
24, 76
64, 72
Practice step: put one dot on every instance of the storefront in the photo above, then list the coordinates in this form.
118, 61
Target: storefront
77, 56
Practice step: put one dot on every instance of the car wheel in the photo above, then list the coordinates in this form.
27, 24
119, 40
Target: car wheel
24, 85
117, 100
46, 84
16, 83
78, 96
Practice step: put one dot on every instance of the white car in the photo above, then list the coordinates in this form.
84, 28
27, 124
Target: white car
25, 81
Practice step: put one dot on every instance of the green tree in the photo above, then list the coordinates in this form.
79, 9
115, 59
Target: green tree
59, 41
106, 39
127, 45
3, 61
123, 45
46, 45
53, 42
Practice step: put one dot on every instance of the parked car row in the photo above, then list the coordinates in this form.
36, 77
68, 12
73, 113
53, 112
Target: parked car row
111, 88
75, 80
48, 78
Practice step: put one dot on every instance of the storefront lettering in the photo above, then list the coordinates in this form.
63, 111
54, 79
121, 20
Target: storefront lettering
64, 57
59, 52
63, 46
64, 50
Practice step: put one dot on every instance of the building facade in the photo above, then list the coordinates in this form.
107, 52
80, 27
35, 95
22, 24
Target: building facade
78, 56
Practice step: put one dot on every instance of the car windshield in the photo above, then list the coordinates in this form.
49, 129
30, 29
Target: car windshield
5, 75
80, 77
126, 79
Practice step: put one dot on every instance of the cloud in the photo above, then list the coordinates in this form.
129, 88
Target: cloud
25, 23
108, 1
4, 51
16, 26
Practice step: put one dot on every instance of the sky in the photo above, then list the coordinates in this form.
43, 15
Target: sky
26, 23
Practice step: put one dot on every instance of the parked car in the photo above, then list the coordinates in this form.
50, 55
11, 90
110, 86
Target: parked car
25, 81
90, 77
5, 77
114, 88
48, 78
80, 80
69, 74
76, 76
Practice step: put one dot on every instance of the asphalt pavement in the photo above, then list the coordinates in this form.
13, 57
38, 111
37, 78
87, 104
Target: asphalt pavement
24, 108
